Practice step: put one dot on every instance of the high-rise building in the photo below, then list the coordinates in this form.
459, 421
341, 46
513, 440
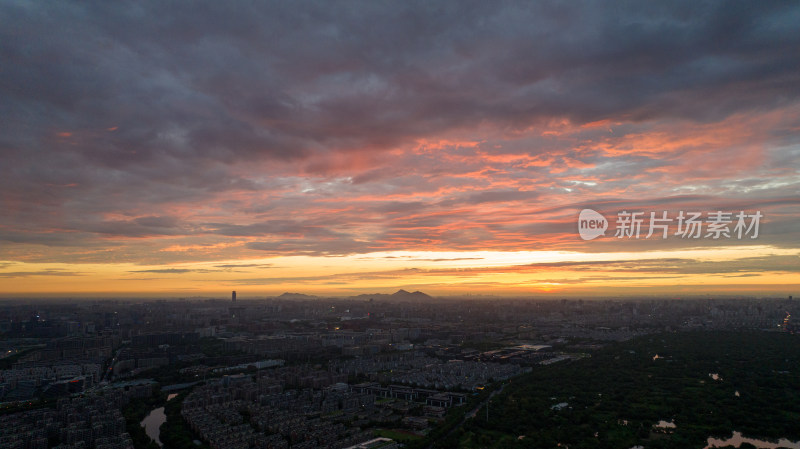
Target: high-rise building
233, 296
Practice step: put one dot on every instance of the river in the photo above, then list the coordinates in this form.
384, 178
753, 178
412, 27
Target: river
152, 422
737, 439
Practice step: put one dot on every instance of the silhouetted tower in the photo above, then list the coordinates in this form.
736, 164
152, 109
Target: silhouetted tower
233, 296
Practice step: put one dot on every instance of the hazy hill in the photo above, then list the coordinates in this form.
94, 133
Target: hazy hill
288, 295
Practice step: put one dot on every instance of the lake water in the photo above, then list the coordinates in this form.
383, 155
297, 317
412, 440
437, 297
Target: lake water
152, 422
737, 439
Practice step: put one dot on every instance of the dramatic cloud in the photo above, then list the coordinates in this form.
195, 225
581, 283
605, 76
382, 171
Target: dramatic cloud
160, 133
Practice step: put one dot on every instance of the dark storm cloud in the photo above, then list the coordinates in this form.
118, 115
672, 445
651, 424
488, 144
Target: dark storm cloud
211, 81
139, 227
282, 228
44, 238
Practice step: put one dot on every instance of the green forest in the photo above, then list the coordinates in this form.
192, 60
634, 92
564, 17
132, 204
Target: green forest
707, 384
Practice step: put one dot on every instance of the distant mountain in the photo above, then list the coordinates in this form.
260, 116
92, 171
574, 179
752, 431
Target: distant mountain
400, 295
288, 295
417, 295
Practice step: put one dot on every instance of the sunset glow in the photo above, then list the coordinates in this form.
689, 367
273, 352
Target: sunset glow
356, 150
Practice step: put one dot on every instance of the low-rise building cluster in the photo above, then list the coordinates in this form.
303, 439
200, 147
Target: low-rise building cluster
239, 412
429, 372
93, 422
26, 380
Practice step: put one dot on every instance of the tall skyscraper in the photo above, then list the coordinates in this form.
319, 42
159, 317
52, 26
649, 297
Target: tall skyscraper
233, 296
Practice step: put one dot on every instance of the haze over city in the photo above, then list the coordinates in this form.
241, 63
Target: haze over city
181, 149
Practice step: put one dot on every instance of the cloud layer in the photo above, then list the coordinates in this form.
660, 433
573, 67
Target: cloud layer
156, 133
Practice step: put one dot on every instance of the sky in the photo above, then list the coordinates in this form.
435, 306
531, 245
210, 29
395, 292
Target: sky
186, 149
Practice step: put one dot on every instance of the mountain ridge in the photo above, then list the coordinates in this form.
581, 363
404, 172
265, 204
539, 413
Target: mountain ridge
401, 294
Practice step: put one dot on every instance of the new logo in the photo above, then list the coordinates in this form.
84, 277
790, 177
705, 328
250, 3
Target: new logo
591, 224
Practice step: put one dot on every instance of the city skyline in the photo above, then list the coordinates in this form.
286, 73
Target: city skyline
197, 149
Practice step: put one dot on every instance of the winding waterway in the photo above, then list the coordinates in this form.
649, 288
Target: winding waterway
737, 439
152, 422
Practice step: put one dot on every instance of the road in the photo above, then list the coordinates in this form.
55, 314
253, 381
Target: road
472, 413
